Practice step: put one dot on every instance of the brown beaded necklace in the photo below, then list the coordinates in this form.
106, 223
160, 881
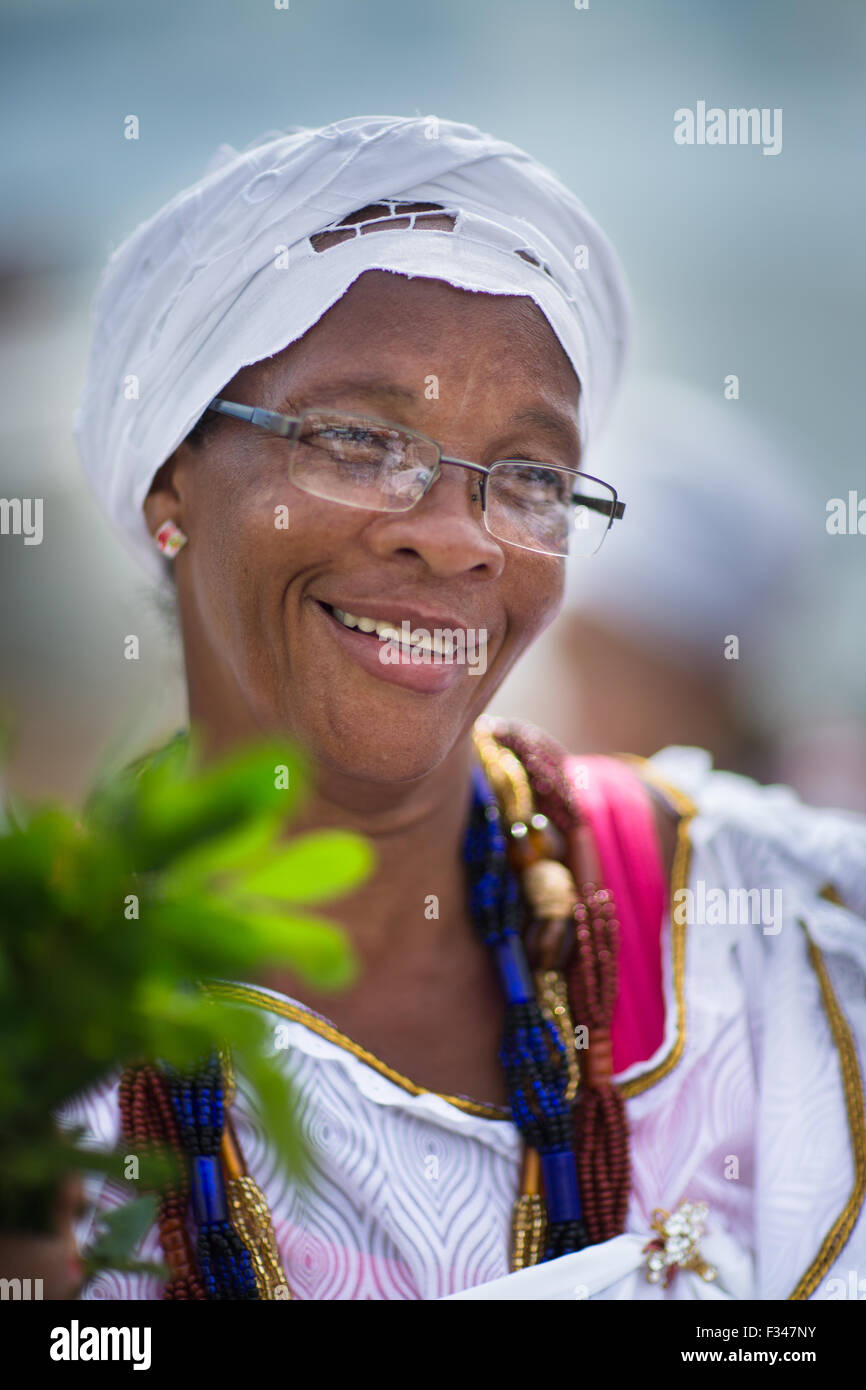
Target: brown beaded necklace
148, 1122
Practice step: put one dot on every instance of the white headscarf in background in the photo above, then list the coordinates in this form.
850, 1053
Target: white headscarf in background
226, 275
717, 538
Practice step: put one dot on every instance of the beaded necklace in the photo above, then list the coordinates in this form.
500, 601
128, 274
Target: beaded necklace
533, 1052
563, 965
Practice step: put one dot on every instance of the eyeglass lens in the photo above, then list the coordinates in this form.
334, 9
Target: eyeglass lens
362, 463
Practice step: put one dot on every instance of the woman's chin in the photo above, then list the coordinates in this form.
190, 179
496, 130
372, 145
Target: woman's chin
386, 753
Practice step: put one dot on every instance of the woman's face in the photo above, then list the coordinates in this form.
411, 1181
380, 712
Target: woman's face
263, 650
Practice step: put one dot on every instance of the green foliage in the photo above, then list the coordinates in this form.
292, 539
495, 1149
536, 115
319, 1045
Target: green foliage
113, 920
121, 1230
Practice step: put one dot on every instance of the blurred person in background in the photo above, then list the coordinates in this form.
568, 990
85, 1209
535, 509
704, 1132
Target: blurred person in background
696, 629
683, 635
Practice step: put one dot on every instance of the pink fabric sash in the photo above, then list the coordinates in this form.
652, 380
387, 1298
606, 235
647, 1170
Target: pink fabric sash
619, 811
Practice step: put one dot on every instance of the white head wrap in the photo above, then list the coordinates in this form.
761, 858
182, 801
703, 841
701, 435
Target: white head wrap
226, 275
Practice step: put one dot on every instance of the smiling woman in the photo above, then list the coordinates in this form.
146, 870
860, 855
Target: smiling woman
432, 565
371, 361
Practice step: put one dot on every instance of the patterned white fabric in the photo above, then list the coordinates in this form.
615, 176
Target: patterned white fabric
411, 1196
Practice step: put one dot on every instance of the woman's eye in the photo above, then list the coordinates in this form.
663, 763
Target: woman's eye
541, 482
347, 436
349, 443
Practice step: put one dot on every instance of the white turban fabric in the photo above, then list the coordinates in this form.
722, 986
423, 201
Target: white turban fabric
227, 274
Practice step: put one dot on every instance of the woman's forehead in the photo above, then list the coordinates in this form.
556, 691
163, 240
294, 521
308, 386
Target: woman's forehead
398, 324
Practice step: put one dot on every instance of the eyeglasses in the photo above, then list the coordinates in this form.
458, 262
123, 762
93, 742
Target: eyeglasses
379, 466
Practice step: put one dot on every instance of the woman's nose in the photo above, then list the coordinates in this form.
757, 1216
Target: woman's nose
445, 527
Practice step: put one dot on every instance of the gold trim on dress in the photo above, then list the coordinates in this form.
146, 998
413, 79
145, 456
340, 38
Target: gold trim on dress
687, 810
246, 994
855, 1109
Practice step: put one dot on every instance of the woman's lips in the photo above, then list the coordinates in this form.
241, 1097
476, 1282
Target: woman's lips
366, 649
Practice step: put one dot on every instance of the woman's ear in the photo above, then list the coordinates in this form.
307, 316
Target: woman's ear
164, 502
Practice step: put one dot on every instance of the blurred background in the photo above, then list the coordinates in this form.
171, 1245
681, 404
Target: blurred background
739, 263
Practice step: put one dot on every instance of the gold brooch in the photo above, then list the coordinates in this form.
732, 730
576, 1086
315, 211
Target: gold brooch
675, 1246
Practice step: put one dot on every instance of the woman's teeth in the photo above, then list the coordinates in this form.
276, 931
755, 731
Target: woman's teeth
381, 629
387, 632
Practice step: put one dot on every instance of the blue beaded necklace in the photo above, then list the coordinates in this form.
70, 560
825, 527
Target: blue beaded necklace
532, 1056
224, 1262
532, 1053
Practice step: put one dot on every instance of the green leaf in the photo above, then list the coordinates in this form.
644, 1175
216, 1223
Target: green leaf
311, 945
316, 867
223, 854
124, 1227
187, 807
91, 1267
86, 990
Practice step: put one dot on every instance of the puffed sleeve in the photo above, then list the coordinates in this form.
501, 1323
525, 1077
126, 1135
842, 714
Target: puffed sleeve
784, 886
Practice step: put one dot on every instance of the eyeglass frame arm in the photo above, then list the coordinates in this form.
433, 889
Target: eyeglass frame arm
287, 425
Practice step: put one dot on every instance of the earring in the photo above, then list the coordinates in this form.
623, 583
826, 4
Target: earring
170, 539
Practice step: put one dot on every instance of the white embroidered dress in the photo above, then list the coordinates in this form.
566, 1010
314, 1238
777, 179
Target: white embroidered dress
753, 1104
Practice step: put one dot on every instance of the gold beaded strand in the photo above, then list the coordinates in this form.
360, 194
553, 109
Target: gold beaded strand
528, 1215
250, 1214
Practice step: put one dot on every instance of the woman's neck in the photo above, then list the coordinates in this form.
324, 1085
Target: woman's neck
415, 896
